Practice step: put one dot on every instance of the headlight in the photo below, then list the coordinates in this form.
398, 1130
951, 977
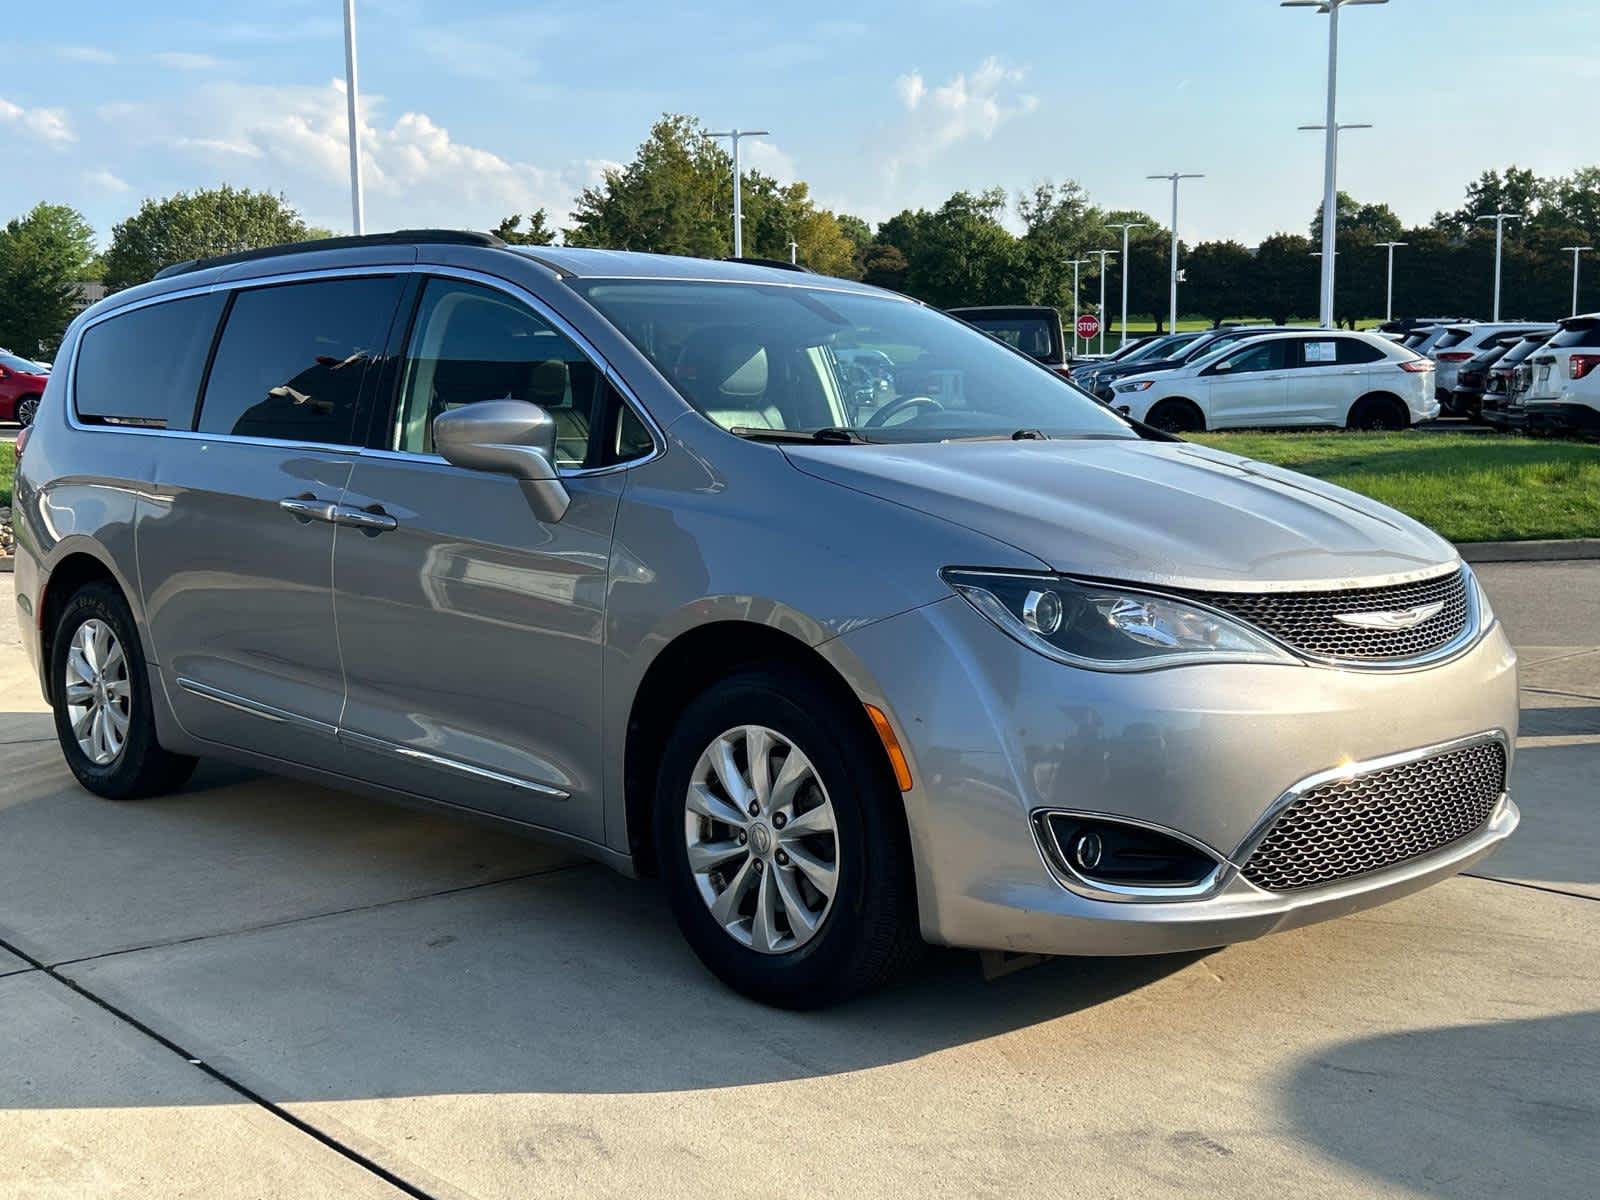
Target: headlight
1109, 628
1134, 385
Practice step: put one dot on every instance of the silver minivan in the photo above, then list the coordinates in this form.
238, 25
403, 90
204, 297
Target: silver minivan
618, 549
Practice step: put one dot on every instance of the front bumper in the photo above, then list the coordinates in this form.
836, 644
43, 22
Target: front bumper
996, 732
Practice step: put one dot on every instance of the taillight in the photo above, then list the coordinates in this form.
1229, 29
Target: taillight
22, 440
1582, 364
1455, 356
1416, 365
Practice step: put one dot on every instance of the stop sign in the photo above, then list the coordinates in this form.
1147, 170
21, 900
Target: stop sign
1088, 326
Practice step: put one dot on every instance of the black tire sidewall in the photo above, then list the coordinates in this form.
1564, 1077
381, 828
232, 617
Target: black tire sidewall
1184, 412
873, 871
142, 765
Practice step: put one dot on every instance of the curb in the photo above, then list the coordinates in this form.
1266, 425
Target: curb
1553, 550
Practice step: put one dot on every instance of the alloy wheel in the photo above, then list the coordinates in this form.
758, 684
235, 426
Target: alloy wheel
761, 839
27, 409
98, 692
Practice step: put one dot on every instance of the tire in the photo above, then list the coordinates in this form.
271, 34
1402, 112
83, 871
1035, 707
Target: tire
1377, 413
123, 764
27, 408
867, 932
1176, 415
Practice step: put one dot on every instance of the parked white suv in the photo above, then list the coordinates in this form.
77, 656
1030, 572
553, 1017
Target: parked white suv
1355, 380
1461, 343
1564, 393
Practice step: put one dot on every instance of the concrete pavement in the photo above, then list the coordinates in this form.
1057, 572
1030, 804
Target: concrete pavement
390, 1002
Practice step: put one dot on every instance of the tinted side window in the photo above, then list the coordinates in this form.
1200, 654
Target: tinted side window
1352, 352
143, 367
292, 357
1269, 356
473, 343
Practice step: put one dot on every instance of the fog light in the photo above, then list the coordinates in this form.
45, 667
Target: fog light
1086, 851
1113, 853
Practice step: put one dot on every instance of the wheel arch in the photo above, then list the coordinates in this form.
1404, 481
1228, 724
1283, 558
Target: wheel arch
76, 569
1378, 396
1177, 401
685, 667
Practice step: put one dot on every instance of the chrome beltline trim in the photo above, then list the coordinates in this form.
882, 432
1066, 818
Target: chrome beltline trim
1355, 770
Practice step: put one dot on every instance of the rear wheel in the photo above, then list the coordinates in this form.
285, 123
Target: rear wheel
1177, 415
103, 711
27, 409
781, 843
1378, 413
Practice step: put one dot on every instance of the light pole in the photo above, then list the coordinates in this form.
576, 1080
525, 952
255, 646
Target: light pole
1330, 264
1330, 163
1103, 254
1576, 251
1172, 318
1125, 226
1499, 219
1388, 303
1075, 263
794, 249
738, 211
358, 214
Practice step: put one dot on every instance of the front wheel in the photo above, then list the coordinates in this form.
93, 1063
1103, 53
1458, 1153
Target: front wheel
1176, 416
781, 842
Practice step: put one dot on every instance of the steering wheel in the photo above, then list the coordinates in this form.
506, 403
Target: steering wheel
881, 418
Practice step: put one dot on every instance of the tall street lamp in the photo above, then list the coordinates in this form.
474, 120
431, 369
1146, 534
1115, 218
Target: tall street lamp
1330, 163
1103, 254
358, 214
1388, 303
1125, 226
1499, 219
1576, 252
738, 210
1075, 263
1172, 306
1330, 264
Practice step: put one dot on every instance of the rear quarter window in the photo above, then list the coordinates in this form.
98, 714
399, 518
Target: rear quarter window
142, 368
1586, 334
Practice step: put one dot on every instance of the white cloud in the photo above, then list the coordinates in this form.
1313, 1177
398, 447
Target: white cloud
48, 125
86, 54
971, 105
759, 155
105, 181
293, 139
180, 60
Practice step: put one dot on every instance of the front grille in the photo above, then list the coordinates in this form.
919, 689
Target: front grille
1371, 821
1307, 620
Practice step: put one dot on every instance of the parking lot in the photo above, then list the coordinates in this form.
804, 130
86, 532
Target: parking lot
258, 988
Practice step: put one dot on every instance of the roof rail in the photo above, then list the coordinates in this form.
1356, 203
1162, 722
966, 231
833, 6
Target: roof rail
777, 263
399, 237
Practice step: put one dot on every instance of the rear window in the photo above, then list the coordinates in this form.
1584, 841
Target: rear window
1585, 334
292, 357
1452, 337
1031, 335
143, 367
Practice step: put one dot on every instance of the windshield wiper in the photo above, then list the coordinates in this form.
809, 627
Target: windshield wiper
1019, 435
829, 434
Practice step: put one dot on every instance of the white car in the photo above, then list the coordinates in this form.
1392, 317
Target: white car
1462, 343
1564, 393
1354, 380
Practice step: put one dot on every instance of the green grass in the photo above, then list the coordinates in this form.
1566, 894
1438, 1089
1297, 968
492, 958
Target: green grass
1469, 488
8, 468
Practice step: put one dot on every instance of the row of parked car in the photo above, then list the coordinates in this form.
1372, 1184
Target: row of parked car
1538, 376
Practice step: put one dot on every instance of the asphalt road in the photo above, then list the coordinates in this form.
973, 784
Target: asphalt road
256, 988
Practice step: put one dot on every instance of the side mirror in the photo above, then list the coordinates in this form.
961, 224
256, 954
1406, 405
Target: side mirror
507, 437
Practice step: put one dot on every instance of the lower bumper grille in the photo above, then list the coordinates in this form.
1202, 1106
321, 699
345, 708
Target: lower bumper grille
1347, 827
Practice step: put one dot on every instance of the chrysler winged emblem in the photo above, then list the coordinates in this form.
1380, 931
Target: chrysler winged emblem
1403, 618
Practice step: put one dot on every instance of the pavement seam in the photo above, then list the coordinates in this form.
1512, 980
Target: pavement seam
317, 916
1558, 692
1532, 887
227, 1081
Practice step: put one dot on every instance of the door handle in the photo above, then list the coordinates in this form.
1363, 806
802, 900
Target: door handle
369, 520
306, 509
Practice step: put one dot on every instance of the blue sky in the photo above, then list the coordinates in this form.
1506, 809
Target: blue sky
478, 108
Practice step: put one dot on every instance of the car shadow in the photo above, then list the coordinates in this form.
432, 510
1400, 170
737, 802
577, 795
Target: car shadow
1502, 1108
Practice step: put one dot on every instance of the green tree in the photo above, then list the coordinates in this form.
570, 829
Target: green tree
42, 255
675, 197
1518, 191
884, 266
200, 224
960, 253
538, 233
1221, 280
856, 229
1285, 277
1378, 221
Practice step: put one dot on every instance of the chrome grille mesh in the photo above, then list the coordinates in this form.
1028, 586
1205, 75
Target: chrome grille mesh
1352, 826
1306, 620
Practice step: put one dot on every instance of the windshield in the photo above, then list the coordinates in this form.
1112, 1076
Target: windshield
759, 358
1158, 348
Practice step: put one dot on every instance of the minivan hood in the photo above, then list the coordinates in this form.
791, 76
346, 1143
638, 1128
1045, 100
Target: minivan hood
1172, 514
